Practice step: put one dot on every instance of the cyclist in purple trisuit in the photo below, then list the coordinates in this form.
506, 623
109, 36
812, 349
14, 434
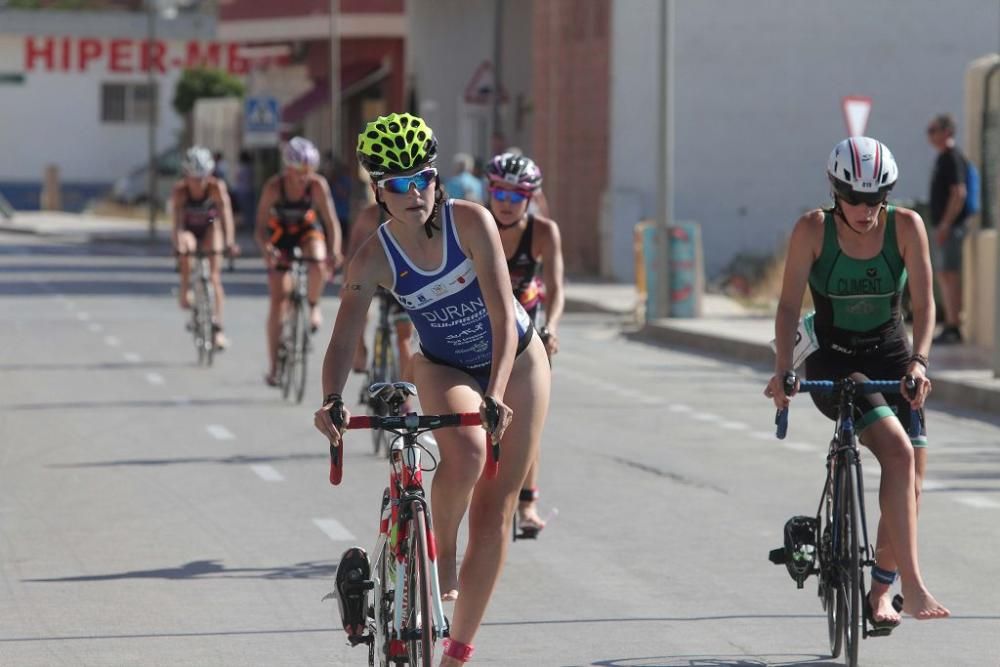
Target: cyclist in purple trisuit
203, 219
532, 246
366, 225
295, 210
856, 258
444, 262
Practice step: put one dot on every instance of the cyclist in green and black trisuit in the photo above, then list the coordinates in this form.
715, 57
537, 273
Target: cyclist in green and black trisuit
856, 257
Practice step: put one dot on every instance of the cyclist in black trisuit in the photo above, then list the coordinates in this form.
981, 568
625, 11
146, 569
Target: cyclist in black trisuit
856, 258
533, 249
295, 210
203, 219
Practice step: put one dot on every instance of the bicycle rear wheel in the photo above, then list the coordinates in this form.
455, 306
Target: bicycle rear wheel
418, 620
291, 342
852, 583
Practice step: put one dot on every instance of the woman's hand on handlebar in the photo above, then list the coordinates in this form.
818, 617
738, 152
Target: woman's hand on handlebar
922, 386
504, 413
324, 420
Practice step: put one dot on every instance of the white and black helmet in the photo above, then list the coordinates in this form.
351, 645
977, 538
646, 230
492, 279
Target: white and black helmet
300, 152
862, 169
198, 162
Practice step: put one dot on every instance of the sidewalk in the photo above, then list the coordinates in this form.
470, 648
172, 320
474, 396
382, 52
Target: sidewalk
83, 226
961, 374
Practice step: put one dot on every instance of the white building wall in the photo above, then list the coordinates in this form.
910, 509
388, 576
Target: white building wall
757, 105
448, 39
54, 117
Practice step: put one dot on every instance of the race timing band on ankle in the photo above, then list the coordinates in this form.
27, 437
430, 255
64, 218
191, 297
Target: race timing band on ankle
528, 495
886, 577
458, 650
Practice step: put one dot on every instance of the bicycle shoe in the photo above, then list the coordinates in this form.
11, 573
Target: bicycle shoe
353, 583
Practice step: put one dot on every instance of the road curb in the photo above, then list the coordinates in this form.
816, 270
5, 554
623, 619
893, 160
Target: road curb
946, 391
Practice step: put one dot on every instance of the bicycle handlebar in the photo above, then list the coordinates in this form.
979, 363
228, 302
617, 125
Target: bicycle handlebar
860, 388
410, 423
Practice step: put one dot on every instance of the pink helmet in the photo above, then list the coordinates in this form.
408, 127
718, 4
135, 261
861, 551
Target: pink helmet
516, 170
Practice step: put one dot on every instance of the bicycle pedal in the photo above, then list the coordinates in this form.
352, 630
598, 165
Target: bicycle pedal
897, 603
878, 632
777, 556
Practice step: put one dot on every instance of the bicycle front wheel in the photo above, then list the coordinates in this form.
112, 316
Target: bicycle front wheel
291, 342
298, 381
852, 584
829, 578
418, 619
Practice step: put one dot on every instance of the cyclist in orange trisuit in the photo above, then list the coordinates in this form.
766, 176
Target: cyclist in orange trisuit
203, 219
444, 262
295, 210
532, 246
856, 258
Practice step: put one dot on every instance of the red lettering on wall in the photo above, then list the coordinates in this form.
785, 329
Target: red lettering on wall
33, 50
203, 57
88, 49
121, 55
235, 63
152, 56
67, 53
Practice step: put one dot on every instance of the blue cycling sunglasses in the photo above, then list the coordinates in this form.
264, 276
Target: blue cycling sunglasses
400, 185
513, 196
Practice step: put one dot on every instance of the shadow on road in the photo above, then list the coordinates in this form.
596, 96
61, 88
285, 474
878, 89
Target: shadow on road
211, 569
777, 660
165, 403
239, 459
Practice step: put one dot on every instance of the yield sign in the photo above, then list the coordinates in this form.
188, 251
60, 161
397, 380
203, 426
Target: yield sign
857, 108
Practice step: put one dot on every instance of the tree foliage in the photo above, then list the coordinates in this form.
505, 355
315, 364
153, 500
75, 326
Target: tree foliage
204, 82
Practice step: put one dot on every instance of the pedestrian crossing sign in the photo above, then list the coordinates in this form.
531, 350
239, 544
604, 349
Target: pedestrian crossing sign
261, 118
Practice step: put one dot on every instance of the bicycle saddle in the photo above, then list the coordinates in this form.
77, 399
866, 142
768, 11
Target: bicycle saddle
392, 391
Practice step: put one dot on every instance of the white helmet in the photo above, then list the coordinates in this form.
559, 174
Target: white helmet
198, 162
860, 166
300, 152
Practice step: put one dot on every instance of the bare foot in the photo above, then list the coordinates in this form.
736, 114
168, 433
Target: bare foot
315, 318
184, 298
921, 605
882, 609
449, 580
221, 342
528, 517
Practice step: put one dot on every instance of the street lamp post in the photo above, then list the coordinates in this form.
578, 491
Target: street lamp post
151, 10
335, 120
664, 166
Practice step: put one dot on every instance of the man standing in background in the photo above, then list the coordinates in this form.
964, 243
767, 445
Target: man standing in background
463, 185
947, 204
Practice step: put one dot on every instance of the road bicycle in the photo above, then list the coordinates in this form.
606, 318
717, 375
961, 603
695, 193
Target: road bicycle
834, 544
384, 368
294, 344
201, 325
405, 618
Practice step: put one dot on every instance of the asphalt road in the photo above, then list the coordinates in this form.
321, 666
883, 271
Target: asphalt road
157, 513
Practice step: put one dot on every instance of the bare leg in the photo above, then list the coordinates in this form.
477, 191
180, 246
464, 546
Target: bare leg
186, 245
360, 364
494, 501
527, 510
314, 249
279, 285
898, 500
213, 245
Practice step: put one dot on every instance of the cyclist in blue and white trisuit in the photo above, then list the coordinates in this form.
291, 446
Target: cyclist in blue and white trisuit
444, 262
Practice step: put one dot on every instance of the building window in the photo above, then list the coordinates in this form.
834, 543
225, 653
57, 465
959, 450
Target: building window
128, 102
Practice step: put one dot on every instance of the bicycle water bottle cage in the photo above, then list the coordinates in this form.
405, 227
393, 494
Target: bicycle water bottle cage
798, 555
393, 394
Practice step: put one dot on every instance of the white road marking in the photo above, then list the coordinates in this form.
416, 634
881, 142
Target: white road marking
132, 357
95, 327
734, 426
83, 317
154, 378
933, 485
219, 432
334, 530
267, 473
680, 407
761, 435
706, 417
979, 502
112, 341
798, 446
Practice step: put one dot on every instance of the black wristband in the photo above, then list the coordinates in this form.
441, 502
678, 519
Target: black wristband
920, 359
332, 398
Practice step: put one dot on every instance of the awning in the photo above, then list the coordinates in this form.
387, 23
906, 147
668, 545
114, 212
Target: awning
354, 79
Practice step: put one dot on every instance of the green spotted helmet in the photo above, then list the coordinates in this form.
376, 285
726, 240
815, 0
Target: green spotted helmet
396, 143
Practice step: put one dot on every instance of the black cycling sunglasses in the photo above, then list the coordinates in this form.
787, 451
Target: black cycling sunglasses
867, 198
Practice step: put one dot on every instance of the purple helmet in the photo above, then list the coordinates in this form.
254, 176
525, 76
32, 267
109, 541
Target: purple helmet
516, 170
300, 152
